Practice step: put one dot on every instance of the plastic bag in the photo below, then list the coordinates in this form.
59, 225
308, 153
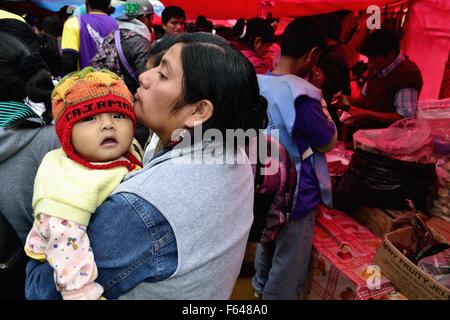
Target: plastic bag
365, 140
379, 181
404, 137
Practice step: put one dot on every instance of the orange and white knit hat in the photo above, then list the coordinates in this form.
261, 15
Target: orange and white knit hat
86, 93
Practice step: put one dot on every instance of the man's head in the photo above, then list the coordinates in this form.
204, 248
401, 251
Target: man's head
139, 9
303, 40
94, 116
98, 5
381, 48
173, 19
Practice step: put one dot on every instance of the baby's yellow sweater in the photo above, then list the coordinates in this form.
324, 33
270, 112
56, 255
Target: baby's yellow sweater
65, 189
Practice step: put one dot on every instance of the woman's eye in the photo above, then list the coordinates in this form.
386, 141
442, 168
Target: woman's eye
119, 116
161, 76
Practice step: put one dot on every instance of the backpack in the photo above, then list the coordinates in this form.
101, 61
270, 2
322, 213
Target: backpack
274, 193
110, 52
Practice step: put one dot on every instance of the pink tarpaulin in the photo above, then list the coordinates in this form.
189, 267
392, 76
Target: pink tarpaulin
233, 9
427, 42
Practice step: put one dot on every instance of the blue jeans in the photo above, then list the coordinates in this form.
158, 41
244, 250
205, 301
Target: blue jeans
282, 265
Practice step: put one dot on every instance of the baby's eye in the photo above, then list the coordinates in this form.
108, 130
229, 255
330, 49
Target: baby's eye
119, 116
87, 119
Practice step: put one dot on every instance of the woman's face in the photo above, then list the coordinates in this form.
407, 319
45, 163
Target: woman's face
160, 89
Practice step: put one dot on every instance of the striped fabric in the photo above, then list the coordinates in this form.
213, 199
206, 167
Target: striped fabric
11, 112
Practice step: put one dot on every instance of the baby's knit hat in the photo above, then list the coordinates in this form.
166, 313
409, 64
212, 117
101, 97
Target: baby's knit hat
86, 93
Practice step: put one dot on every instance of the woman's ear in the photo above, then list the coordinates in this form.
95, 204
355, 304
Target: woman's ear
257, 42
201, 112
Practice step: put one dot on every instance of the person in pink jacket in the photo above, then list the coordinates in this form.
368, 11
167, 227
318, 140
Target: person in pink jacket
259, 36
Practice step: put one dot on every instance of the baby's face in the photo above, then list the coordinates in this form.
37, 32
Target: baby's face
103, 137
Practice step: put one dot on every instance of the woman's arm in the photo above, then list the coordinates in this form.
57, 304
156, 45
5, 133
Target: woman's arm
122, 232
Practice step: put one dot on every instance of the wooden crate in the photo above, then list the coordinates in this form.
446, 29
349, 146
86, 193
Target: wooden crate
440, 229
377, 220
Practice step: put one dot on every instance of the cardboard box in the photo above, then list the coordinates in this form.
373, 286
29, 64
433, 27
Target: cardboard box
379, 221
340, 263
414, 283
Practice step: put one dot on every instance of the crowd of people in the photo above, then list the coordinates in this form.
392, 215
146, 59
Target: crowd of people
106, 183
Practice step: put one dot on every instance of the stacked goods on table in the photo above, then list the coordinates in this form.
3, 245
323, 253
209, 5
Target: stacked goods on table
416, 259
437, 114
341, 262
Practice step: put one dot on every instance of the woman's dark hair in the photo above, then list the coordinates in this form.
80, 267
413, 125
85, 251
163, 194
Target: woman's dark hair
160, 47
23, 74
258, 27
215, 71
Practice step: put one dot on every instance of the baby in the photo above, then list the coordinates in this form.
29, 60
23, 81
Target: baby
95, 122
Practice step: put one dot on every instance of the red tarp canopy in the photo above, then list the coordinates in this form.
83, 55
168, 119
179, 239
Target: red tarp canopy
427, 42
233, 9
